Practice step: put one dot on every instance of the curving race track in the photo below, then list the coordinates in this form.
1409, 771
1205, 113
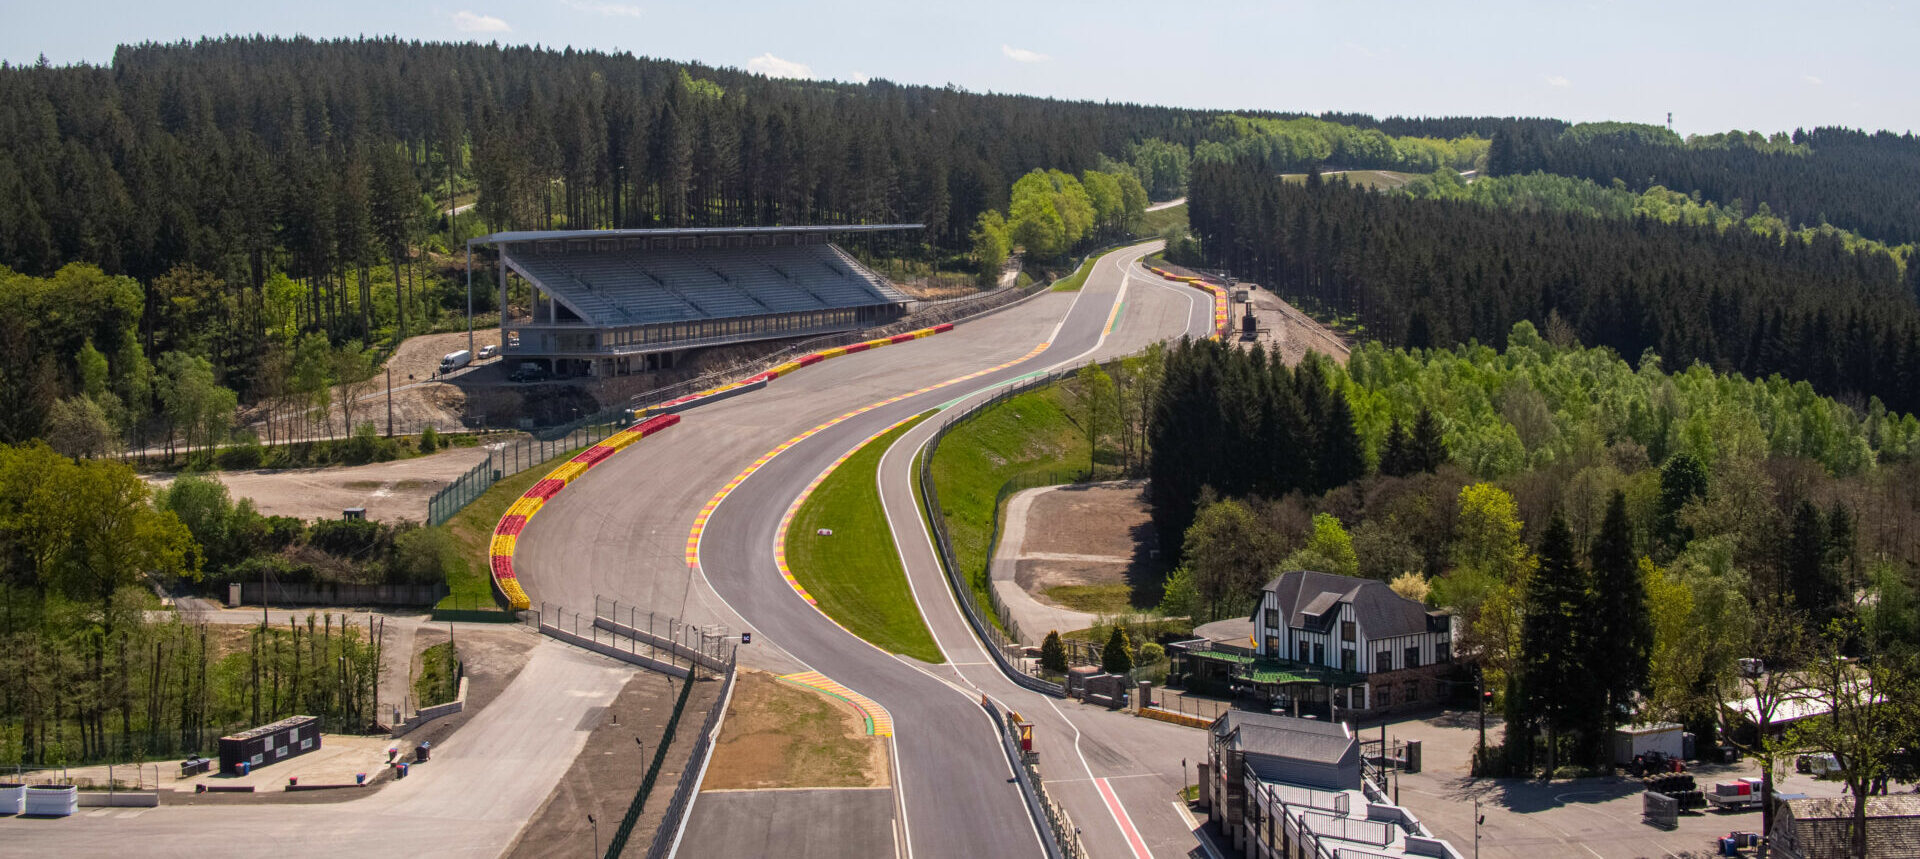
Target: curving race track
622, 532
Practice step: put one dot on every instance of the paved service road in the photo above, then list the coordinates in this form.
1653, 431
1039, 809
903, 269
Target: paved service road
482, 785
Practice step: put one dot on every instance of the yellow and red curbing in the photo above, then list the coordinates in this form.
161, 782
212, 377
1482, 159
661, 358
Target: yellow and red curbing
1222, 318
806, 360
879, 721
507, 533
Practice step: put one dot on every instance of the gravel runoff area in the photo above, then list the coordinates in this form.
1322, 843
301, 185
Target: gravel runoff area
391, 491
602, 781
1083, 535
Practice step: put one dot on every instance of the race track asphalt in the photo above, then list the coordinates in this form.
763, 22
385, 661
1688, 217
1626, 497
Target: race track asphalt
620, 532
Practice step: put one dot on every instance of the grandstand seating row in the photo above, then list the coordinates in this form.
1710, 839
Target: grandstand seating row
643, 287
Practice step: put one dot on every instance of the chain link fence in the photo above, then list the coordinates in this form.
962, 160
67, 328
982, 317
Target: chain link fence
505, 460
667, 837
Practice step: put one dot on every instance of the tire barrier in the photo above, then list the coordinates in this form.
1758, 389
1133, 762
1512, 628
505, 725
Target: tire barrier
507, 532
1222, 316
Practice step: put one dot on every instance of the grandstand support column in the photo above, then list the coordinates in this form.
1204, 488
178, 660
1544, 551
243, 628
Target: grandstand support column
500, 280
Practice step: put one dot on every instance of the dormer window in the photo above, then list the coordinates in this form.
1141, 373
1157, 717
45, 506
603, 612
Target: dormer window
1346, 630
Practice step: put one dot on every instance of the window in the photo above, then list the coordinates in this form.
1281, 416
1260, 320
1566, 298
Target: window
1346, 630
1273, 618
1301, 654
1272, 647
1410, 691
1346, 659
1383, 695
1413, 656
1443, 652
1319, 653
1383, 661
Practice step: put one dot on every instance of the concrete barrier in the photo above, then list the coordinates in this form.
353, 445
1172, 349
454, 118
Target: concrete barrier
582, 641
120, 799
659, 642
437, 711
13, 798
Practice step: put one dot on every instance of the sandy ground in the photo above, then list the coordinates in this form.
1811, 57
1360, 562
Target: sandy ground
603, 779
778, 735
1093, 534
390, 491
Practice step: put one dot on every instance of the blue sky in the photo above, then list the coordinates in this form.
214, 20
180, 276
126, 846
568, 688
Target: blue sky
1753, 65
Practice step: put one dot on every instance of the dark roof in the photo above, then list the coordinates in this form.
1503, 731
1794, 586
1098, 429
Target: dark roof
1286, 737
1820, 824
1381, 612
548, 235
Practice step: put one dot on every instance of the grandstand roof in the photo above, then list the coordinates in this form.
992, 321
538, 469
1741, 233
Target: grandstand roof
633, 286
550, 235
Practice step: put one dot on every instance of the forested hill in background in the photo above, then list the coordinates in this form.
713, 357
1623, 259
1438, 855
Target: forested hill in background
245, 156
1434, 273
1867, 183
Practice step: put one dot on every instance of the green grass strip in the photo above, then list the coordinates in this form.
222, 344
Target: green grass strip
471, 586
1072, 282
855, 575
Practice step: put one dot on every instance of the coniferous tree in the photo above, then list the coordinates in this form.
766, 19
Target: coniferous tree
1396, 458
1558, 692
1807, 573
1117, 656
1621, 638
1429, 450
1682, 480
1053, 654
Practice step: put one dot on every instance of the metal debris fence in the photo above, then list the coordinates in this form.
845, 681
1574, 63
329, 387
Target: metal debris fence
506, 460
667, 837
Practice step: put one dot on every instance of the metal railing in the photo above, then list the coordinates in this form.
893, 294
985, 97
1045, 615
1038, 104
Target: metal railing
504, 461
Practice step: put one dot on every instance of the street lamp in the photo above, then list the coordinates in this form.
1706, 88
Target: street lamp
596, 834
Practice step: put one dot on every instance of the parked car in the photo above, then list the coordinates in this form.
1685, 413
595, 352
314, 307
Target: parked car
529, 371
488, 352
1818, 764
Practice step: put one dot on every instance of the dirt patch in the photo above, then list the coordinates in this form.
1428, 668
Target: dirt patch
604, 778
781, 735
1083, 540
1282, 327
390, 491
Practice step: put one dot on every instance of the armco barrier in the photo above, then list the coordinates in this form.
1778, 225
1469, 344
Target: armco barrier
506, 532
666, 839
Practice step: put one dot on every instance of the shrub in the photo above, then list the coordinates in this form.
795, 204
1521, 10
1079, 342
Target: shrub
1117, 656
1053, 654
429, 440
234, 457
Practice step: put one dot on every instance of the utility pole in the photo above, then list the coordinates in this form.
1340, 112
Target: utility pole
1478, 819
389, 399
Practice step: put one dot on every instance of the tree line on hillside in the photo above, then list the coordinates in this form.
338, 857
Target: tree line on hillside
1435, 273
1641, 533
1865, 182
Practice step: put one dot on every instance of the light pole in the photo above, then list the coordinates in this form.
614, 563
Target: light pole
1478, 819
596, 835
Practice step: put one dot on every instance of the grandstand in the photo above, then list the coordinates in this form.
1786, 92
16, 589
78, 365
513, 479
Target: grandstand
618, 302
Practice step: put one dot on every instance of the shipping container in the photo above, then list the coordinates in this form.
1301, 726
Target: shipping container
268, 744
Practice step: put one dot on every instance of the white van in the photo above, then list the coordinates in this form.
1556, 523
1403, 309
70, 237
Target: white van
455, 360
488, 352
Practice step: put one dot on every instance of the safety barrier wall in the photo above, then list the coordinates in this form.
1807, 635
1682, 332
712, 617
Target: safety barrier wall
1222, 316
508, 460
1062, 839
506, 533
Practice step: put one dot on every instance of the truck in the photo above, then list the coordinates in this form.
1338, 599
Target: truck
455, 360
1737, 795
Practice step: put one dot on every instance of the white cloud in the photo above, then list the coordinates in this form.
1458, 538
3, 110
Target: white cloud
1022, 55
1812, 79
774, 67
468, 22
1558, 81
611, 10
859, 77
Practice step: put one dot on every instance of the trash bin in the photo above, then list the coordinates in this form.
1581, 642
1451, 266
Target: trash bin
244, 767
400, 770
293, 781
359, 778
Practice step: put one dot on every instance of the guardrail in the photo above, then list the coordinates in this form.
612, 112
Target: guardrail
504, 462
999, 643
1063, 838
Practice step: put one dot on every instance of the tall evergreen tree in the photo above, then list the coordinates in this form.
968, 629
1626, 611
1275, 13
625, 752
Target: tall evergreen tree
1396, 458
1554, 674
1429, 450
1621, 637
1682, 480
1805, 570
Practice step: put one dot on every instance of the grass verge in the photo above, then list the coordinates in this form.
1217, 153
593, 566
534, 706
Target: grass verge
779, 735
855, 575
439, 680
470, 586
1096, 599
1027, 436
1072, 282
1157, 223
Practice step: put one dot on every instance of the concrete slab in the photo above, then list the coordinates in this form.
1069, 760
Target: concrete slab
797, 824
